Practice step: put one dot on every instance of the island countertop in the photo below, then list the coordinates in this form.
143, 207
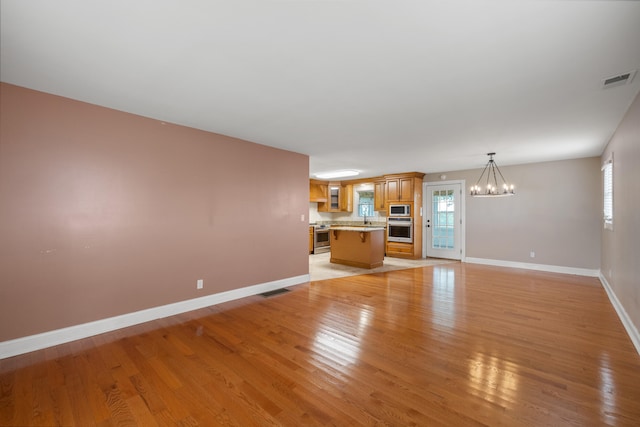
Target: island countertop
352, 228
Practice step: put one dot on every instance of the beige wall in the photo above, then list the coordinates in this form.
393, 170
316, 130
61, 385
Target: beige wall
621, 246
104, 213
556, 213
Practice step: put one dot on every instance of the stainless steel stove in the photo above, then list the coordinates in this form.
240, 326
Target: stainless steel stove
321, 240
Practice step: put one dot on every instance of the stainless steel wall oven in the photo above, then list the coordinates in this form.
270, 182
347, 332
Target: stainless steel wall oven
400, 230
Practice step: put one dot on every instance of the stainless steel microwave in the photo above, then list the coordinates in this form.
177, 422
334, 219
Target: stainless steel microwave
399, 210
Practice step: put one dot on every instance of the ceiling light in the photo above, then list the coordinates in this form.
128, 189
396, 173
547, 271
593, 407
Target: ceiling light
491, 187
337, 174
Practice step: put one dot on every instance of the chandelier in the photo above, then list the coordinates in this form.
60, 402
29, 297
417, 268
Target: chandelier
491, 188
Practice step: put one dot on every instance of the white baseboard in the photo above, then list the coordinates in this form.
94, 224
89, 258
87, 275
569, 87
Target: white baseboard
72, 333
540, 267
631, 329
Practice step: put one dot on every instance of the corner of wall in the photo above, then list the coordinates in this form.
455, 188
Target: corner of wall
632, 331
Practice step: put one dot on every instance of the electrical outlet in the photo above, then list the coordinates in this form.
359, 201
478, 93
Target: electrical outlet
200, 284
302, 218
532, 254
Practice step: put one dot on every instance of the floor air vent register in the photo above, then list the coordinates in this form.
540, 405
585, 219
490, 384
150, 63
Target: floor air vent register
273, 293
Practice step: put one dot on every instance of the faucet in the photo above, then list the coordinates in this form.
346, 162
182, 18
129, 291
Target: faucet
365, 219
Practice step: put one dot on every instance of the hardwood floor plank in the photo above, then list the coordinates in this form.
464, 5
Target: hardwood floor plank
140, 412
452, 344
158, 396
62, 410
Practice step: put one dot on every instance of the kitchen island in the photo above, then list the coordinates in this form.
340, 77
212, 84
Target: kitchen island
357, 246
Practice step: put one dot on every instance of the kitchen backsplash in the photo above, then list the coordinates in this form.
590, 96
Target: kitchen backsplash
342, 218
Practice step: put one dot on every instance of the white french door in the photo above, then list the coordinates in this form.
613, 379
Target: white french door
444, 228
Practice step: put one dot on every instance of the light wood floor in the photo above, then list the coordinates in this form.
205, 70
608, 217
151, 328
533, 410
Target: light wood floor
452, 345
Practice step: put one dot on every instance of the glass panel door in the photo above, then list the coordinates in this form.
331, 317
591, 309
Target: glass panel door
443, 221
443, 205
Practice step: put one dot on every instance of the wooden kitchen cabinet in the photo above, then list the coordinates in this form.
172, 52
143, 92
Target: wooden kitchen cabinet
310, 240
379, 197
406, 188
400, 250
332, 204
317, 191
346, 198
333, 197
339, 198
399, 188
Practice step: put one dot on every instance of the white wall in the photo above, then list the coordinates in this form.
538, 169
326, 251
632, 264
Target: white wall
556, 213
621, 246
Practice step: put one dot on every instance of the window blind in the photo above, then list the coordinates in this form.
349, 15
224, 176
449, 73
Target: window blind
608, 192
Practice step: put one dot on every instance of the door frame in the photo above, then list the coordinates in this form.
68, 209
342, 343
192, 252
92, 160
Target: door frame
463, 216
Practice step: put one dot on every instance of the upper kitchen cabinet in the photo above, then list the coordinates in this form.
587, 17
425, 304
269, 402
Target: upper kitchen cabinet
346, 201
379, 197
400, 188
333, 199
339, 198
317, 191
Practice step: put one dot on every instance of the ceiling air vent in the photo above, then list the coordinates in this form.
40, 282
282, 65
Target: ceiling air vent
619, 80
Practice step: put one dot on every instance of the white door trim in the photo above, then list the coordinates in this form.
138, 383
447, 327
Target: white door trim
463, 216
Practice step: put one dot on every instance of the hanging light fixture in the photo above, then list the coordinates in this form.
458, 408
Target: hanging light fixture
491, 187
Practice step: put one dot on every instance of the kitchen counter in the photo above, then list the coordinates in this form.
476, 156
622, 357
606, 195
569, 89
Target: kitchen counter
357, 246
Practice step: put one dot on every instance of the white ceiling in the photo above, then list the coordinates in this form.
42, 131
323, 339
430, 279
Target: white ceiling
379, 86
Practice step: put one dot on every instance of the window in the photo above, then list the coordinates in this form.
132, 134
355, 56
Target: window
607, 170
365, 204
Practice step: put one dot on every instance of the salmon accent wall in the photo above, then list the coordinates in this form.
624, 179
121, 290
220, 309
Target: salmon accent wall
104, 213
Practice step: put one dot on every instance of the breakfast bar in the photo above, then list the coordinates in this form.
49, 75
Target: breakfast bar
357, 246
